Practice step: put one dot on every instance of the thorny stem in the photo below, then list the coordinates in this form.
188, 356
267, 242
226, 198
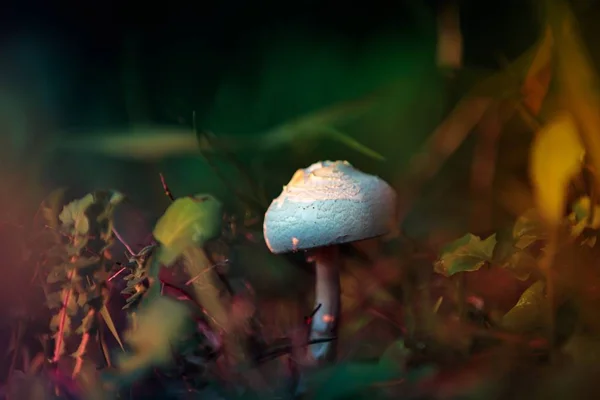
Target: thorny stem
325, 321
58, 345
81, 351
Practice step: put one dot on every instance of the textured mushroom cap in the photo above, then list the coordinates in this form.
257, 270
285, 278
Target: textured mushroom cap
328, 203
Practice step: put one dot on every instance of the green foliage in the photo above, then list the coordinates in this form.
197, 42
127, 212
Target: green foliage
528, 229
137, 264
153, 337
189, 221
469, 253
77, 270
225, 344
509, 250
529, 313
583, 218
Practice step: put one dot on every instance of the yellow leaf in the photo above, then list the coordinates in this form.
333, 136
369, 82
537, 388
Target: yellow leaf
188, 221
555, 160
577, 79
159, 327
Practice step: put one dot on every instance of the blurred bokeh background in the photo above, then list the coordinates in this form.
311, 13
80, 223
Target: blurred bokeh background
69, 71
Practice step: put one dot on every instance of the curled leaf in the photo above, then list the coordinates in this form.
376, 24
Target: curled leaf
528, 314
469, 253
189, 221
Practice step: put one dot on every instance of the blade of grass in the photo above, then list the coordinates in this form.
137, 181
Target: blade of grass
111, 325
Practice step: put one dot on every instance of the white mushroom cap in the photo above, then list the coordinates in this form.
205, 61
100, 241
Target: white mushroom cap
326, 204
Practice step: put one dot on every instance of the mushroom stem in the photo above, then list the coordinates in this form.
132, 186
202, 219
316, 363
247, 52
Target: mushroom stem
327, 299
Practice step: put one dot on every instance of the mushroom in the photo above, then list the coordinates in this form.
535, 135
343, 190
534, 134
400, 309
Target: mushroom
325, 205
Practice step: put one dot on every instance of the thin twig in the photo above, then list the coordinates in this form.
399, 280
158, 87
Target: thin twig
123, 242
166, 187
117, 274
192, 280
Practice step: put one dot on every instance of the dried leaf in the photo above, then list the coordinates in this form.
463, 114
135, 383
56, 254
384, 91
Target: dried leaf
111, 325
556, 156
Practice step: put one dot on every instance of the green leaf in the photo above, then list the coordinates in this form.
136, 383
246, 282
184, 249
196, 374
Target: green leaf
108, 200
528, 229
469, 253
189, 221
159, 326
352, 143
580, 217
528, 314
352, 380
55, 323
57, 274
583, 349
520, 263
73, 215
140, 142
341, 381
396, 355
512, 250
51, 207
54, 300
207, 287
